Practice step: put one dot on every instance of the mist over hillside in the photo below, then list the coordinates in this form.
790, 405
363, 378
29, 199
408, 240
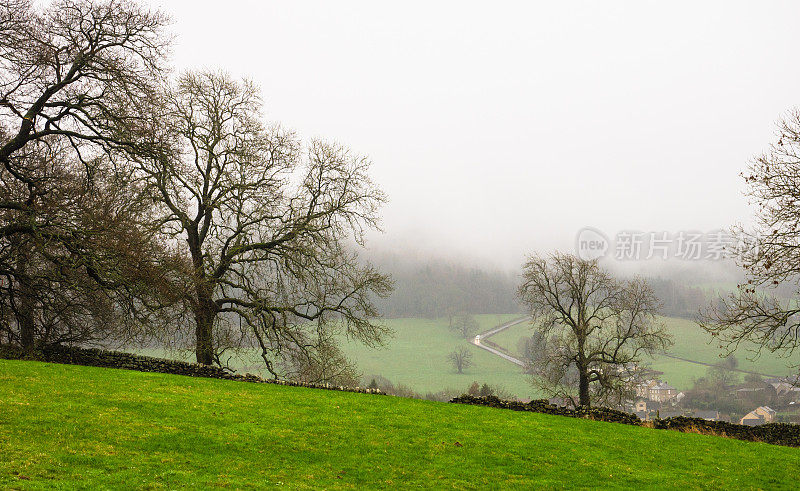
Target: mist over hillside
430, 286
436, 284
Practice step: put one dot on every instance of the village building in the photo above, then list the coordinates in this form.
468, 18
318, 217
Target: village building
656, 390
758, 416
662, 392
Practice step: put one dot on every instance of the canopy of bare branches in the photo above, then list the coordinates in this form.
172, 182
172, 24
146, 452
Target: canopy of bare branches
595, 328
73, 76
764, 311
264, 220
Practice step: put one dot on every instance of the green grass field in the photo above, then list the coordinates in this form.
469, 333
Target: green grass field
417, 356
70, 427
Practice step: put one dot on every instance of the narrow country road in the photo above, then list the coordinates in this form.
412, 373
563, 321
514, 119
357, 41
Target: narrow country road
484, 337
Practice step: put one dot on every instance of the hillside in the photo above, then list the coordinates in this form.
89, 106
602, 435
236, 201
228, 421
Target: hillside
70, 426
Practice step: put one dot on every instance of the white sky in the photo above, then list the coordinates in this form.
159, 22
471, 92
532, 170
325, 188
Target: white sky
501, 128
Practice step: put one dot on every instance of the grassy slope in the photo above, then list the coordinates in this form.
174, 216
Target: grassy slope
417, 357
70, 427
691, 342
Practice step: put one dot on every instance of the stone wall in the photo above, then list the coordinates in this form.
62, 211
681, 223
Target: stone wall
774, 433
114, 359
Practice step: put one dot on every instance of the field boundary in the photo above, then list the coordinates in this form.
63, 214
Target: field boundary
95, 357
696, 362
784, 434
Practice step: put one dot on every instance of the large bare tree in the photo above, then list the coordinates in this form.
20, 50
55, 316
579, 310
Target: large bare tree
74, 79
597, 328
266, 223
764, 311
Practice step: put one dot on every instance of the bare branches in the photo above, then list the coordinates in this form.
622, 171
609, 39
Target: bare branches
460, 358
594, 328
265, 223
78, 70
465, 325
764, 310
75, 77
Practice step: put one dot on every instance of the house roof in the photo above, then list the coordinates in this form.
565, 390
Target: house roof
663, 386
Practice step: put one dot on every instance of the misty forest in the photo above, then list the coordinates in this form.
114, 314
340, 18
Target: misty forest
329, 246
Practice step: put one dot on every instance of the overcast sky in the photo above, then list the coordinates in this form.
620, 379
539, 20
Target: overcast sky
497, 129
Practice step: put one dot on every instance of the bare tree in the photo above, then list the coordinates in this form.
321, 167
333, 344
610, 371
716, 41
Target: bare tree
465, 325
265, 223
461, 358
765, 311
73, 77
78, 70
597, 328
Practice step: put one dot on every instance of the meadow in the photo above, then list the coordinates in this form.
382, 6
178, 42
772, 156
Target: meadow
72, 427
416, 356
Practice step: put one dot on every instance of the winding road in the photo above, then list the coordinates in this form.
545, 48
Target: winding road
483, 337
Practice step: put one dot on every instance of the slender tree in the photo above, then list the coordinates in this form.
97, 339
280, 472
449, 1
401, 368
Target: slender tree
597, 328
465, 325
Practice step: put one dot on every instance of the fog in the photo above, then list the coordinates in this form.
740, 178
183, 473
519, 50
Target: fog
498, 130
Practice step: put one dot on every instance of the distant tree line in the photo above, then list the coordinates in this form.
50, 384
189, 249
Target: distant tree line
434, 288
679, 299
431, 287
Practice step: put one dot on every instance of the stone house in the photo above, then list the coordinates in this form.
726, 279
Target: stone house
758, 416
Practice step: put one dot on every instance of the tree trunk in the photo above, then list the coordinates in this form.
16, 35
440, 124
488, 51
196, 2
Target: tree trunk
584, 387
204, 332
204, 351
205, 310
26, 320
27, 324
583, 368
